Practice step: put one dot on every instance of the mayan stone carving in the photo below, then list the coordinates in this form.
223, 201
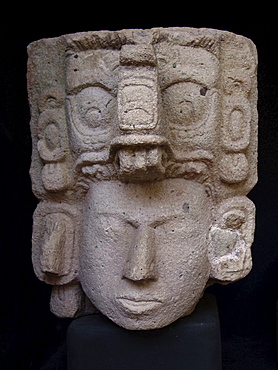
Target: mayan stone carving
144, 149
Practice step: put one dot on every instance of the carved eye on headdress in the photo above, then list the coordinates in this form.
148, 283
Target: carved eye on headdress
94, 107
185, 104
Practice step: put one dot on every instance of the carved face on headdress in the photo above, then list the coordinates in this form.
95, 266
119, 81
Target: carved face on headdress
144, 147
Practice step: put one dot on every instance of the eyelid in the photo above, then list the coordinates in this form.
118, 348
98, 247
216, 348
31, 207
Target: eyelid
134, 223
185, 80
123, 217
77, 89
165, 219
159, 222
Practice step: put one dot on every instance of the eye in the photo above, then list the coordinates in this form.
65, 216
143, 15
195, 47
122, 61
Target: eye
115, 227
111, 224
92, 115
185, 104
95, 106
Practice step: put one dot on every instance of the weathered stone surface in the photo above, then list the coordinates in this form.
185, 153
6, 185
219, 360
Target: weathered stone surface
144, 149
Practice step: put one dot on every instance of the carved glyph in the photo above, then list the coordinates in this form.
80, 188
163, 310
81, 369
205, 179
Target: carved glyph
144, 149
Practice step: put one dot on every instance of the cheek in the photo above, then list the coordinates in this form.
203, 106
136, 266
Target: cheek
183, 270
98, 266
104, 248
182, 255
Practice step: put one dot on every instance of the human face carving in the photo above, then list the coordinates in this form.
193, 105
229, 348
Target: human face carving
143, 257
113, 112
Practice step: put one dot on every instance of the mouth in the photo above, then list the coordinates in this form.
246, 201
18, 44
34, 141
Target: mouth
138, 306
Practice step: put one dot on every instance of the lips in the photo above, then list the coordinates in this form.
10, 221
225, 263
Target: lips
138, 306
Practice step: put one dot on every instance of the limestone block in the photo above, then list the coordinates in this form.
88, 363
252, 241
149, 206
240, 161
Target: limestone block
144, 150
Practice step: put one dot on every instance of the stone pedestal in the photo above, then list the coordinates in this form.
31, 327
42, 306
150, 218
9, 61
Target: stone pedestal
192, 342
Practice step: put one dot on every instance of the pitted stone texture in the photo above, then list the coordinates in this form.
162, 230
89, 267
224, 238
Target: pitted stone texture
144, 149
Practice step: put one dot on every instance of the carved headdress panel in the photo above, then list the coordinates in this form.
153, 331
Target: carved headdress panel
139, 107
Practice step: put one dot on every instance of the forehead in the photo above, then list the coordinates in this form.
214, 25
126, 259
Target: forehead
177, 62
91, 67
168, 197
174, 63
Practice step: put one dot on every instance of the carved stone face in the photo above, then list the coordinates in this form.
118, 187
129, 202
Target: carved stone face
144, 149
144, 250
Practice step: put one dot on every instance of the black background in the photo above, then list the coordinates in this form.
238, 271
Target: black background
30, 336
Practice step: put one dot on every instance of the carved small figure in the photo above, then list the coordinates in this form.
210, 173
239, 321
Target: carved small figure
144, 149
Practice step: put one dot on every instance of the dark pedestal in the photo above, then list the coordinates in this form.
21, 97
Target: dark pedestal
191, 343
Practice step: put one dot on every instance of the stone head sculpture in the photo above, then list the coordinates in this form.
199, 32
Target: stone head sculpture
144, 149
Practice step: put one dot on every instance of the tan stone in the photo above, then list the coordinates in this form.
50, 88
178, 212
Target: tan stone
144, 149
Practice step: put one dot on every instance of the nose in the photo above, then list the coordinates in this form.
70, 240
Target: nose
140, 264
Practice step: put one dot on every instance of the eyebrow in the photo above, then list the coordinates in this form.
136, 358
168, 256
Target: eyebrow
80, 87
123, 216
136, 223
180, 79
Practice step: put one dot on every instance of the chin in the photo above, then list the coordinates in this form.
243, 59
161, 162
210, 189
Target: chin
145, 321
